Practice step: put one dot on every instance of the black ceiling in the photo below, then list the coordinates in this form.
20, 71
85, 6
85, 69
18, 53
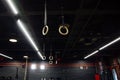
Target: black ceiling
93, 23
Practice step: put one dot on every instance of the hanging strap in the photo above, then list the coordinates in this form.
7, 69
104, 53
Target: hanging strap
51, 51
44, 49
44, 57
51, 57
45, 14
62, 15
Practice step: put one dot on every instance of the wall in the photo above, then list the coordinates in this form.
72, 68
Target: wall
52, 72
7, 72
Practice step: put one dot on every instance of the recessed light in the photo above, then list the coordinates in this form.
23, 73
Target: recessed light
13, 40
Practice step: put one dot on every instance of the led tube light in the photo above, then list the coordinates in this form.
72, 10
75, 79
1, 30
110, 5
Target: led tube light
91, 54
12, 6
5, 56
112, 42
103, 47
24, 30
40, 55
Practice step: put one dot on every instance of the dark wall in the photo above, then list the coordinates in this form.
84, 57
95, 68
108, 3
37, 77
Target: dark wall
50, 73
63, 73
11, 73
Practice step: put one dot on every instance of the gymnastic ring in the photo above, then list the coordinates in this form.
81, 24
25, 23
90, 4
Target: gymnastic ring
50, 57
63, 27
45, 30
50, 62
44, 57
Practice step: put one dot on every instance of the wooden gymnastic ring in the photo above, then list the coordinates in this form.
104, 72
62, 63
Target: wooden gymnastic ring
63, 27
44, 57
50, 57
45, 30
50, 62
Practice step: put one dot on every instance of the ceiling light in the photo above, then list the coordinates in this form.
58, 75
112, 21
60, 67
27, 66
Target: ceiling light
27, 35
26, 57
12, 6
103, 47
40, 55
112, 42
91, 54
42, 67
13, 40
81, 67
33, 66
24, 30
5, 56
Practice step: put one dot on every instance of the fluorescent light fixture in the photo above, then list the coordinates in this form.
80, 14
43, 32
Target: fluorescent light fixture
103, 47
33, 66
13, 40
112, 42
40, 55
5, 56
30, 39
12, 6
91, 54
24, 30
42, 67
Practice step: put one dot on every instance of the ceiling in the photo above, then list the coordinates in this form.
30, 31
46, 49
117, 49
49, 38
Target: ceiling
93, 23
